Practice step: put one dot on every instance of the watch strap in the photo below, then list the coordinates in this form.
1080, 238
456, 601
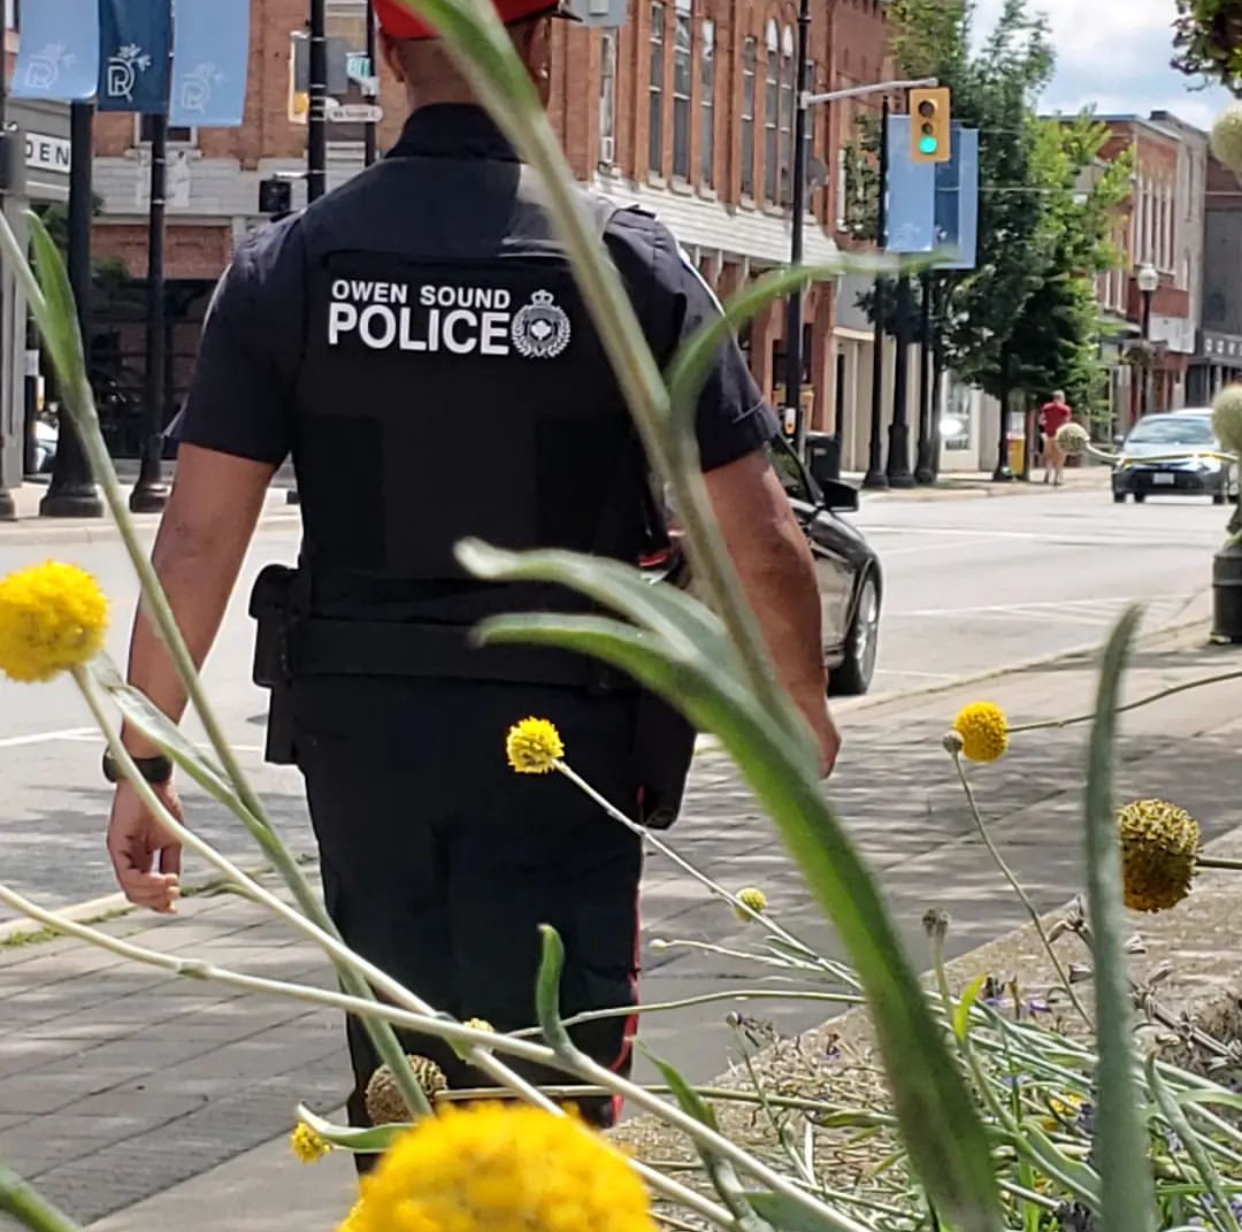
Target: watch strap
156, 770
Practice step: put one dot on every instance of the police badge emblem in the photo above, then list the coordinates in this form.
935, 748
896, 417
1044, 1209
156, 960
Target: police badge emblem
541, 330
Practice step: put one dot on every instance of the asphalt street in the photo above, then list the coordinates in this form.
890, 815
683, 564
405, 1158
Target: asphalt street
972, 585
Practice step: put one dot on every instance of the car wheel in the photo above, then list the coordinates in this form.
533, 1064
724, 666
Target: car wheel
1119, 498
853, 677
1219, 498
1140, 497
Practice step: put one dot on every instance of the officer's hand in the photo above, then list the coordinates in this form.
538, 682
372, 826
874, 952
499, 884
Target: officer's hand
827, 738
146, 858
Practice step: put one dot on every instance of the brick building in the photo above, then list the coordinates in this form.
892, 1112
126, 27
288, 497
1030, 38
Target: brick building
688, 110
1162, 224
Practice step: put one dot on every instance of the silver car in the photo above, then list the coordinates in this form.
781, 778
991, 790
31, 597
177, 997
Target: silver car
1172, 455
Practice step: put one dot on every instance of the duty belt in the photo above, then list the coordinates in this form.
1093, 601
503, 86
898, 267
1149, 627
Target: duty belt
431, 651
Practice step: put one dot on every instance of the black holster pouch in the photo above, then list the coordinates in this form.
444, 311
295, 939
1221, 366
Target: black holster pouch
274, 605
663, 750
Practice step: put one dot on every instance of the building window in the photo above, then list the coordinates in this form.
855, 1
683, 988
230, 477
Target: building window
608, 98
177, 135
808, 137
748, 118
683, 72
707, 104
771, 118
655, 117
788, 69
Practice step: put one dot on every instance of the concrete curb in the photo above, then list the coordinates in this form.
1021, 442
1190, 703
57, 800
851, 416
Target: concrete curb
14, 932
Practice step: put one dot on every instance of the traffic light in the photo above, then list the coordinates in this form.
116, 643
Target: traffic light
931, 126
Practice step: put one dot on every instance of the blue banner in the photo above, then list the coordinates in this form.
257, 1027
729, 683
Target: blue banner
211, 51
59, 57
911, 213
135, 55
957, 202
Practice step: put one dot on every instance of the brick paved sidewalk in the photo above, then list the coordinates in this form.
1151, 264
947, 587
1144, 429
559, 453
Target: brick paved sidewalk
140, 1101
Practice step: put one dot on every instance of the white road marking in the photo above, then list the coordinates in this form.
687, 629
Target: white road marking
72, 733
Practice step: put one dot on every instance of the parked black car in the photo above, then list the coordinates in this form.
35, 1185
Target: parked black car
1181, 440
851, 582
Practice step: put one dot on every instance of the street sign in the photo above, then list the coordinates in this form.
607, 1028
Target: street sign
911, 188
353, 113
957, 203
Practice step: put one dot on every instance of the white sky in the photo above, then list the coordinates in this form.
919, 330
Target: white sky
1114, 54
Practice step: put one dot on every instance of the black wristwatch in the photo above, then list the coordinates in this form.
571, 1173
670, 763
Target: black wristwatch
156, 770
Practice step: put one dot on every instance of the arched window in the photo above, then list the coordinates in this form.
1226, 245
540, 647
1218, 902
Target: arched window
749, 57
771, 117
707, 104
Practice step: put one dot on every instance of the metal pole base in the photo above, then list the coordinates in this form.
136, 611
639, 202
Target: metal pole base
8, 506
72, 502
899, 475
1002, 474
1227, 596
148, 498
293, 497
924, 475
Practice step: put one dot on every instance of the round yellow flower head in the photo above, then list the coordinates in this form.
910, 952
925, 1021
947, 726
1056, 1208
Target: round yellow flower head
1227, 138
353, 1221
1227, 418
755, 899
52, 617
479, 1024
534, 746
501, 1168
1159, 852
984, 731
385, 1103
307, 1145
1072, 439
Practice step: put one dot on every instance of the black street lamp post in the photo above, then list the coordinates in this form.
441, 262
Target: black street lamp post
875, 477
1148, 279
793, 318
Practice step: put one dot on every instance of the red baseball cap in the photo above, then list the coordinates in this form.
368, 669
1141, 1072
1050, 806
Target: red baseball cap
398, 22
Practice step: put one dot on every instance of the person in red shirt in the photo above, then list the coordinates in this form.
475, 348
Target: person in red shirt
1053, 416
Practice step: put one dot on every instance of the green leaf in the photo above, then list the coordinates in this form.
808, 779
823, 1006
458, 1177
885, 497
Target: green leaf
58, 319
783, 1213
937, 1116
370, 1141
1127, 1192
548, 990
961, 1015
29, 1207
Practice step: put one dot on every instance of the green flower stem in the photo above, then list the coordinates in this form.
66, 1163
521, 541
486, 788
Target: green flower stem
671, 853
1029, 1195
763, 960
1172, 691
709, 998
1018, 889
425, 1023
29, 1207
1218, 862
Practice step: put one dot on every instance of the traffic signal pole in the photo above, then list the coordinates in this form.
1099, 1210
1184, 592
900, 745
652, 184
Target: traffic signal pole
875, 476
370, 131
317, 121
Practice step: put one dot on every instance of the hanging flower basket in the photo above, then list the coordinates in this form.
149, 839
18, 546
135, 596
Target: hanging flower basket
1208, 41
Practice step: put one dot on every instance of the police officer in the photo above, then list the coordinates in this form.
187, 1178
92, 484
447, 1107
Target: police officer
415, 341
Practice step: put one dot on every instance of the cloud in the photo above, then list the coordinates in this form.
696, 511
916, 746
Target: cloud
1119, 67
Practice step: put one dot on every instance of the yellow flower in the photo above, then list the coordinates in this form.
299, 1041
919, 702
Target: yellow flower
755, 899
385, 1104
1227, 418
984, 731
307, 1145
534, 746
479, 1024
52, 617
353, 1221
1159, 852
1063, 1108
502, 1168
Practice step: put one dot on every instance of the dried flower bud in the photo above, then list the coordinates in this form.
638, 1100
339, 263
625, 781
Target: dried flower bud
936, 923
954, 743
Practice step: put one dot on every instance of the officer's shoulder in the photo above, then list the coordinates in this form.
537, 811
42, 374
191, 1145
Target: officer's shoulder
269, 250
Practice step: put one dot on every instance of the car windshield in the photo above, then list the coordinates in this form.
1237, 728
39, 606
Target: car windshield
1173, 430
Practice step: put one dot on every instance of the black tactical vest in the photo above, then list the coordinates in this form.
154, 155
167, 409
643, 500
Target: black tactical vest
452, 386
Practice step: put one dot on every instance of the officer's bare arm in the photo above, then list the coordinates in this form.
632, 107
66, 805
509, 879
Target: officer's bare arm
777, 571
210, 519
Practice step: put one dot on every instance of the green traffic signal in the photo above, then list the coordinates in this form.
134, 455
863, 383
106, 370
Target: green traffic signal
929, 145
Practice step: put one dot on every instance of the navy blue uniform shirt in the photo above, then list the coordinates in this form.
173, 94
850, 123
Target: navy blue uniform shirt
242, 397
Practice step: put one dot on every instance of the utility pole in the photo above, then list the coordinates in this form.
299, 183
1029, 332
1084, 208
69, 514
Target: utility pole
8, 505
899, 475
875, 477
317, 121
1002, 473
149, 494
925, 472
72, 493
370, 132
793, 318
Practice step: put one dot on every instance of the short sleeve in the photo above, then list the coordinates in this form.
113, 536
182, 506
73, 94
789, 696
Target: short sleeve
240, 399
733, 419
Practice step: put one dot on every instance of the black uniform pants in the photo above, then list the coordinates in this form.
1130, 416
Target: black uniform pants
440, 863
